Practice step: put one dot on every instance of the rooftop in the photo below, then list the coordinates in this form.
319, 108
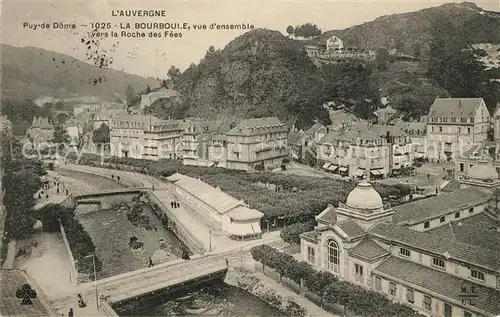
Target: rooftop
368, 249
10, 305
455, 107
437, 245
245, 213
478, 230
439, 282
212, 196
363, 131
440, 205
253, 126
351, 228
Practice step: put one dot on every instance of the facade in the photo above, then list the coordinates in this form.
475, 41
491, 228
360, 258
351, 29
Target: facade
495, 120
355, 149
335, 52
218, 208
485, 152
384, 115
145, 137
417, 132
259, 141
454, 126
147, 100
106, 117
370, 244
86, 107
41, 131
74, 128
204, 142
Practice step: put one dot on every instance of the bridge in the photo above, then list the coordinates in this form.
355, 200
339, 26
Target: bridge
110, 192
158, 279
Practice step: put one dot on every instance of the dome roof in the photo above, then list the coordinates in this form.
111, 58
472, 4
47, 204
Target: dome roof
364, 196
483, 172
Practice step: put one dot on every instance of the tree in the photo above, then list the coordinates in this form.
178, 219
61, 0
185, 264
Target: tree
290, 30
174, 74
131, 97
61, 135
307, 30
101, 135
210, 51
59, 105
148, 89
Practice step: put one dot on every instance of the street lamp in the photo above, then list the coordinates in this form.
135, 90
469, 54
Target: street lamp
210, 241
95, 278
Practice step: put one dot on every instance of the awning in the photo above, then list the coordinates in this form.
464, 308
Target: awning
359, 173
332, 167
419, 155
376, 172
343, 169
244, 229
325, 166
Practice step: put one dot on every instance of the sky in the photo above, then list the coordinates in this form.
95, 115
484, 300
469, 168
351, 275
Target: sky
154, 56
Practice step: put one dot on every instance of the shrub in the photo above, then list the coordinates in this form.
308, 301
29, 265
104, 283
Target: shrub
291, 234
361, 301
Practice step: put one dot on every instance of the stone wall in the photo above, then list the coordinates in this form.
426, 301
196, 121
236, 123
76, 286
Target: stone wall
73, 273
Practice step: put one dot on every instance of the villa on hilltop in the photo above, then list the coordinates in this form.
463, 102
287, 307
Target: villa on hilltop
335, 52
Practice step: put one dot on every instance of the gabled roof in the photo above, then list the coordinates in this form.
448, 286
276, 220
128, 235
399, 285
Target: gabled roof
440, 205
368, 249
312, 130
442, 283
455, 107
459, 251
362, 131
351, 228
245, 213
253, 126
214, 197
327, 216
478, 230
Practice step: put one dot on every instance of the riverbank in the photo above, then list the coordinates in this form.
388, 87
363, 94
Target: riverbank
273, 293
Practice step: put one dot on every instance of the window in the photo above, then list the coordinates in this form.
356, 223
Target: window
359, 273
410, 296
404, 252
477, 275
442, 219
440, 129
311, 255
467, 314
427, 303
458, 130
457, 214
471, 210
392, 289
468, 130
461, 167
378, 283
333, 257
427, 224
438, 262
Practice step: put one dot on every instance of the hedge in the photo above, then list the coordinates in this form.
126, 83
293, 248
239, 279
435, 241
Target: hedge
303, 197
291, 234
327, 286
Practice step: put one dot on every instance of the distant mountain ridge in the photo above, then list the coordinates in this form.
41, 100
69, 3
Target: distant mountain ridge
411, 32
30, 72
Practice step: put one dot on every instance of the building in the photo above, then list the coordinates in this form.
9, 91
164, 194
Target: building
41, 131
384, 115
360, 147
454, 126
218, 208
74, 129
384, 249
86, 107
257, 143
205, 143
484, 152
106, 116
161, 93
417, 132
335, 52
495, 120
145, 137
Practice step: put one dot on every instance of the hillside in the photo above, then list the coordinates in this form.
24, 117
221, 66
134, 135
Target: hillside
261, 73
29, 72
264, 73
410, 33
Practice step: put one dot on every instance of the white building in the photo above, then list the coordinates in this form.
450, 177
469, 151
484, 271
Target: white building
218, 208
386, 250
454, 126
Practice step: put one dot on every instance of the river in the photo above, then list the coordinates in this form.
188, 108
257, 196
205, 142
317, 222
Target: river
218, 300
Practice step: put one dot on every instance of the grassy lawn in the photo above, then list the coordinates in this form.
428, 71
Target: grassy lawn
111, 231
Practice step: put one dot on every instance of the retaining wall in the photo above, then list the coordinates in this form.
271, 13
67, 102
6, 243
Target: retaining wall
73, 273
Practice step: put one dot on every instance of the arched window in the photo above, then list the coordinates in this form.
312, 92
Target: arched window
332, 257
